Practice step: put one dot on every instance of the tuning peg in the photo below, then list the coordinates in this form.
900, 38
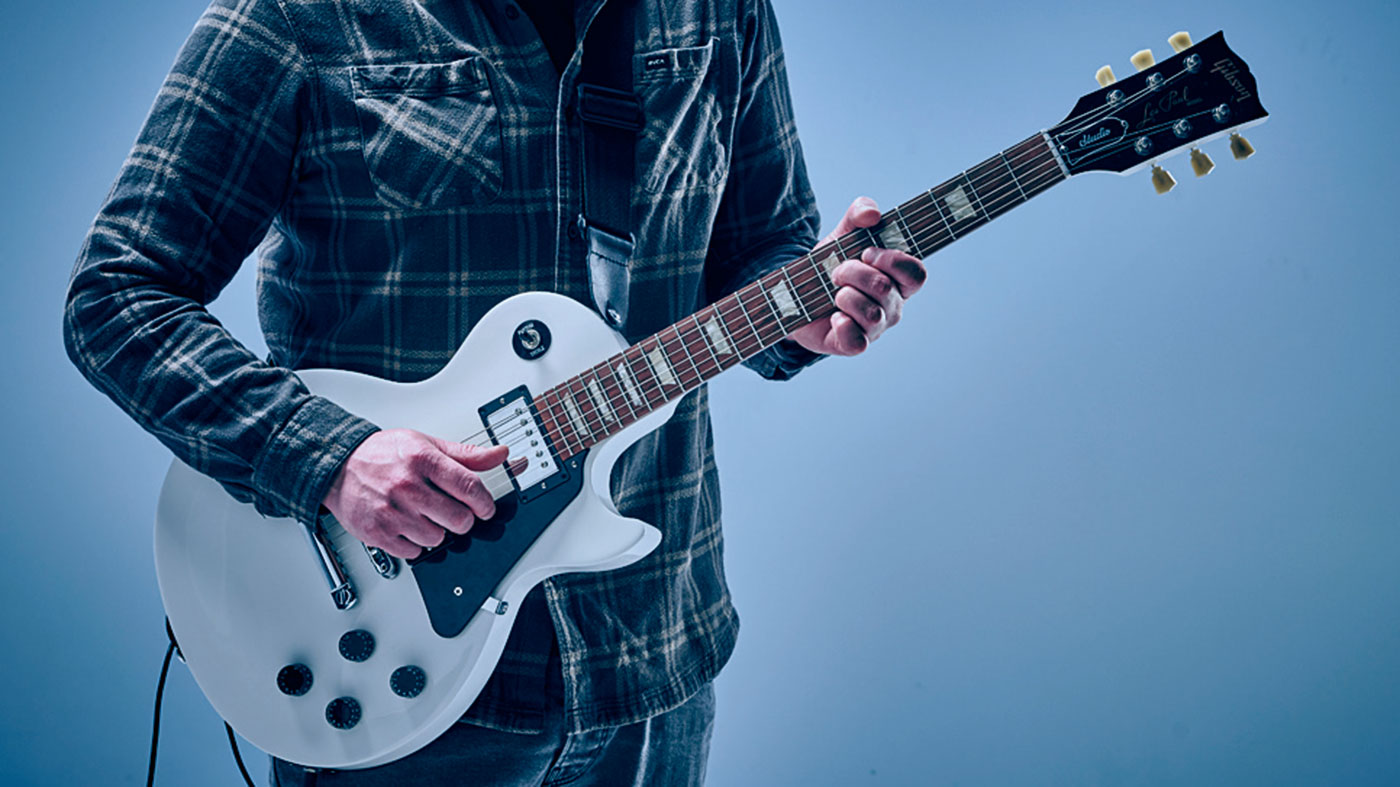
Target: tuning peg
1162, 180
1201, 163
1105, 76
1180, 41
1240, 147
1143, 60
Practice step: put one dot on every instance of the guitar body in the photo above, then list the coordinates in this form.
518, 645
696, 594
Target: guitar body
246, 597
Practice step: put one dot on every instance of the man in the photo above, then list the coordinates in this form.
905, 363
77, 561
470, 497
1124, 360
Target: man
405, 166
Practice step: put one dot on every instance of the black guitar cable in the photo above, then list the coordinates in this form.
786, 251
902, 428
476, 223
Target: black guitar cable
171, 650
160, 692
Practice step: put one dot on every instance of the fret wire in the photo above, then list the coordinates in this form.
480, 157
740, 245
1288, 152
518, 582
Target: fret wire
573, 387
554, 423
722, 320
823, 276
826, 295
619, 418
699, 377
705, 340
588, 406
638, 376
631, 386
766, 294
744, 310
941, 213
621, 393
904, 230
982, 210
809, 288
797, 294
1006, 163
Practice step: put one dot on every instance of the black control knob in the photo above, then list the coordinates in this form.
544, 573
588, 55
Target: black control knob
356, 645
408, 681
343, 712
294, 680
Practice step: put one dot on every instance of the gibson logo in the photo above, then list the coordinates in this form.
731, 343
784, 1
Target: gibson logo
1226, 69
1089, 139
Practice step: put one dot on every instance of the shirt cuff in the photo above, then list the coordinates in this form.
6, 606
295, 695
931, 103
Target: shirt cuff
783, 360
296, 467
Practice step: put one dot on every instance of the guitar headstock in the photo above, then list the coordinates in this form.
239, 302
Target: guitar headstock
1200, 93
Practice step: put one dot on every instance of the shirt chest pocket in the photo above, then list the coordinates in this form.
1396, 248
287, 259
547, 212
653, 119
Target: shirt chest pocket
681, 147
430, 133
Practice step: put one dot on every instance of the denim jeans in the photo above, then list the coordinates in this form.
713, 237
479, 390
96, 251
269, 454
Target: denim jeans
663, 751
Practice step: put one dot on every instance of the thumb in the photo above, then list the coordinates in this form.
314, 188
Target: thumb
473, 457
862, 213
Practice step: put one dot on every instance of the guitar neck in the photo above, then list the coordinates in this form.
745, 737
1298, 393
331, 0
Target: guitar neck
595, 404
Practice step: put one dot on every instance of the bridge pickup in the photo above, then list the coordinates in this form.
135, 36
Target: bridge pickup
533, 465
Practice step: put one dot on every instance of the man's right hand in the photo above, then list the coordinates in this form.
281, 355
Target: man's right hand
401, 490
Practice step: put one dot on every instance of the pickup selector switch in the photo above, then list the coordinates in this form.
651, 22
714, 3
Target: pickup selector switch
343, 712
357, 645
294, 680
408, 682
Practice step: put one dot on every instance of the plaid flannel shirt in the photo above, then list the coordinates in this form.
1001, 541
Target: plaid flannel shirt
404, 166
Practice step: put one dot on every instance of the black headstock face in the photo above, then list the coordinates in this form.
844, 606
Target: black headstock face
1202, 92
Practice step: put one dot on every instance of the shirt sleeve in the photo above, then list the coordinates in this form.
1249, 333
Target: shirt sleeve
768, 215
214, 163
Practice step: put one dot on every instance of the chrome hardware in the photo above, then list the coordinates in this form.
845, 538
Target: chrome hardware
1182, 128
1221, 113
383, 562
1143, 146
342, 592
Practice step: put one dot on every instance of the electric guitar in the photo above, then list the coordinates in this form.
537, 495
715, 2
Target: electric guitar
330, 654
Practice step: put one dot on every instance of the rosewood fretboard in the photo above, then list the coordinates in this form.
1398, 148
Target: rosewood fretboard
595, 404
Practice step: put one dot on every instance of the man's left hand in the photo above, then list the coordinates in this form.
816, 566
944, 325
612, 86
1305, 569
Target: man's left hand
870, 294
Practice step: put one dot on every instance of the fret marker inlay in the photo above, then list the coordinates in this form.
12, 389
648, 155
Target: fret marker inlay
625, 375
575, 416
717, 338
660, 367
892, 238
959, 204
604, 406
782, 298
830, 263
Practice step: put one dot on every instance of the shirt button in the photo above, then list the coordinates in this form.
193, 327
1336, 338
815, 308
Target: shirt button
512, 12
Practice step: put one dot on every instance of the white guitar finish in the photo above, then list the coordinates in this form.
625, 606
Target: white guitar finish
245, 596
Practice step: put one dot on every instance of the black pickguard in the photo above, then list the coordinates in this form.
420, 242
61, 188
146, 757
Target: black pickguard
479, 559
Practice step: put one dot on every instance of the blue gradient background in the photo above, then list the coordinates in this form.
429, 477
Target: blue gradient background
1119, 503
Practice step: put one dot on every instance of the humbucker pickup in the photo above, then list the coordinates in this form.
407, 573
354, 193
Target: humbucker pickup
532, 464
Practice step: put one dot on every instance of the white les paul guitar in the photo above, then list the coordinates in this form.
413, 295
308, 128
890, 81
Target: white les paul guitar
328, 654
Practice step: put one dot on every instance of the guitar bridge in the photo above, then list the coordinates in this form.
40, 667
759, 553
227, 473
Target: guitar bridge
533, 466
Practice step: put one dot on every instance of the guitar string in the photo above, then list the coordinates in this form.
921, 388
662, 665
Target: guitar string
801, 280
917, 238
922, 213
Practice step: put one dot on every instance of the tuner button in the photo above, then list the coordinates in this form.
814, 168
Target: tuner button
343, 712
356, 645
294, 680
1143, 60
408, 681
1201, 163
1240, 147
1180, 41
1162, 180
1105, 76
